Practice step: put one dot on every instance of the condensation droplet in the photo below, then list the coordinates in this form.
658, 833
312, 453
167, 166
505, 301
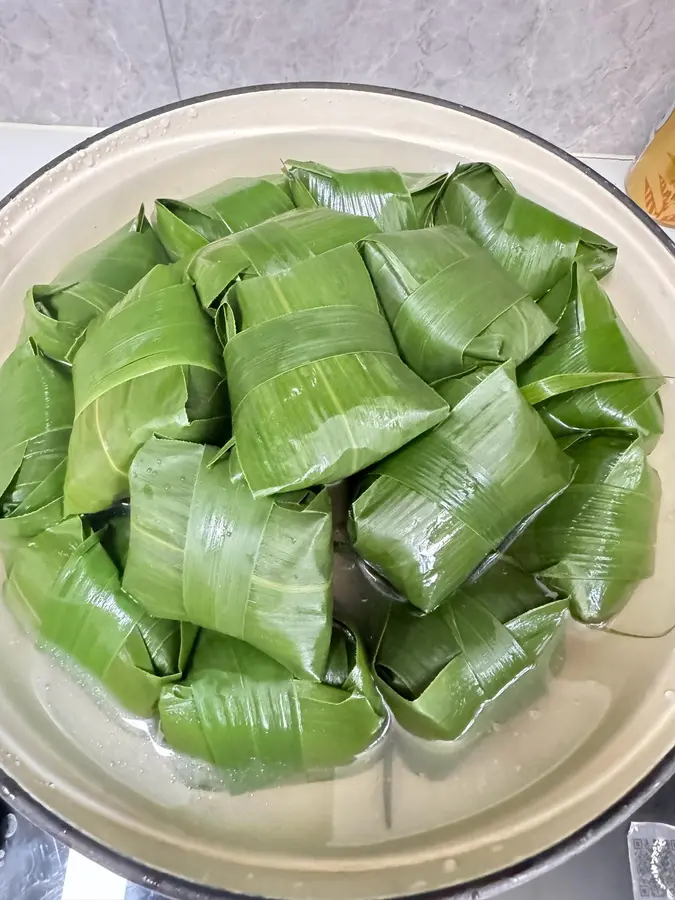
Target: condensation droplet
449, 865
165, 122
70, 167
90, 161
7, 232
11, 824
418, 885
669, 695
496, 726
66, 178
534, 713
82, 153
142, 132
192, 113
51, 785
497, 848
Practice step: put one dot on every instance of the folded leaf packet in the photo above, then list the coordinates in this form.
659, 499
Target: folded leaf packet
36, 407
203, 550
57, 314
65, 587
245, 713
450, 305
184, 226
592, 375
535, 245
151, 365
317, 387
596, 541
429, 514
480, 653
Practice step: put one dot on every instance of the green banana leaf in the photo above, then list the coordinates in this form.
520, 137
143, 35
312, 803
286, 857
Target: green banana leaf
202, 549
272, 247
185, 226
151, 365
592, 375
431, 513
36, 407
449, 304
242, 711
535, 245
317, 387
383, 194
57, 314
66, 589
596, 541
479, 656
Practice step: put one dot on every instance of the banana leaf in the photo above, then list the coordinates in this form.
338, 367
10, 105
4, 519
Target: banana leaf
449, 303
535, 245
151, 365
66, 589
596, 541
383, 194
317, 387
479, 656
185, 226
242, 711
36, 407
592, 375
431, 513
272, 247
57, 314
202, 549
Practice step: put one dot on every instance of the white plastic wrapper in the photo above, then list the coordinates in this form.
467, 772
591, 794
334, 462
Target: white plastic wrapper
651, 850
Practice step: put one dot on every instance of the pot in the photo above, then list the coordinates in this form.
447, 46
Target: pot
528, 795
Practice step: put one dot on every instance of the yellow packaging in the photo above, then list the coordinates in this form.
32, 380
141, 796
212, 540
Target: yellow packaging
651, 179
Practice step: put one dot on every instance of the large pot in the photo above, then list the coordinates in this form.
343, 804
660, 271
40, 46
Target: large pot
597, 745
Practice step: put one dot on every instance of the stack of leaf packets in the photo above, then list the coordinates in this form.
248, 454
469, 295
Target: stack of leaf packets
184, 395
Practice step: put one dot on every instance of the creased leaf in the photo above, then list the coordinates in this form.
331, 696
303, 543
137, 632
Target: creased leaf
152, 365
203, 550
596, 541
185, 226
450, 305
36, 407
535, 245
65, 587
317, 387
245, 713
432, 512
57, 314
478, 656
592, 375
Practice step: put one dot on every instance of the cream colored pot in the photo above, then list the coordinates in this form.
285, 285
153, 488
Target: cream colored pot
511, 805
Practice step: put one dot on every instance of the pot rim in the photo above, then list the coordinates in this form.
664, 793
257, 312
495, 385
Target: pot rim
478, 889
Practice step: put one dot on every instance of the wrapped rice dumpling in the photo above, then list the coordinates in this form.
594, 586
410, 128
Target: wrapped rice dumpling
432, 512
203, 550
36, 407
273, 247
317, 387
383, 194
152, 365
57, 314
449, 303
186, 225
245, 713
482, 654
592, 375
65, 587
596, 541
535, 245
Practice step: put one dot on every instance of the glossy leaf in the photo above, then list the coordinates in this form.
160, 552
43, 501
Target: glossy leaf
432, 512
596, 541
317, 387
478, 656
203, 550
57, 314
592, 375
382, 194
185, 226
449, 304
66, 589
245, 713
36, 407
152, 365
272, 247
535, 245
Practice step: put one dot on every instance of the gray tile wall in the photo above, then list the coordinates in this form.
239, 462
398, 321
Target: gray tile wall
591, 75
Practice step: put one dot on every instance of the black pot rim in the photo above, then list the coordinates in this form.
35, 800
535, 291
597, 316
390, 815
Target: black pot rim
478, 889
